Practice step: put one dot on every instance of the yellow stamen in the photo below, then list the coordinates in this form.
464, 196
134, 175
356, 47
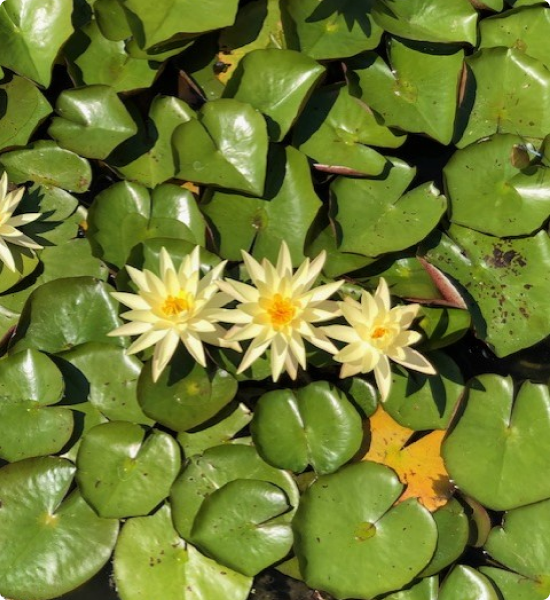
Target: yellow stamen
378, 333
281, 311
174, 305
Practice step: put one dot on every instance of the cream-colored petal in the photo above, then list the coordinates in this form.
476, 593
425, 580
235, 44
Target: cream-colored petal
132, 328
382, 374
369, 308
149, 338
201, 326
382, 295
3, 187
284, 261
165, 262
342, 333
351, 311
194, 346
318, 315
228, 315
255, 350
350, 370
253, 267
155, 285
406, 338
238, 290
297, 349
370, 359
279, 351
131, 300
350, 353
314, 269
14, 198
322, 342
6, 256
23, 240
23, 219
252, 330
323, 292
138, 277
217, 338
291, 366
415, 360
164, 351
405, 315
143, 316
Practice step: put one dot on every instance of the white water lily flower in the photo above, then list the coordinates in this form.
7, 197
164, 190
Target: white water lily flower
279, 311
9, 234
178, 305
377, 333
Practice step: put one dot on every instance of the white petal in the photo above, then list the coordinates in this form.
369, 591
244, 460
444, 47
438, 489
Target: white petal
147, 339
342, 333
369, 307
253, 267
382, 295
23, 219
323, 292
405, 315
322, 342
284, 261
252, 330
130, 329
351, 311
217, 338
415, 360
23, 240
382, 374
255, 350
163, 353
6, 256
131, 300
297, 349
291, 366
194, 346
138, 277
279, 351
350, 369
143, 316
238, 290
351, 353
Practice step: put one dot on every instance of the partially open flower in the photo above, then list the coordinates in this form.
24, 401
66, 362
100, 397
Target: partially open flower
9, 234
279, 310
377, 333
178, 305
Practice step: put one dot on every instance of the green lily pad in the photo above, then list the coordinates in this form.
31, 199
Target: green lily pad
522, 543
416, 92
124, 472
29, 426
51, 543
508, 281
526, 30
29, 45
107, 377
465, 583
511, 436
46, 163
156, 23
425, 589
226, 146
387, 218
488, 192
239, 526
453, 532
313, 425
85, 417
71, 259
150, 556
336, 129
26, 263
352, 542
217, 431
111, 19
277, 83
513, 586
423, 402
213, 469
361, 393
285, 212
453, 21
511, 94
155, 162
23, 110
443, 326
186, 394
334, 29
94, 59
72, 325
92, 121
127, 213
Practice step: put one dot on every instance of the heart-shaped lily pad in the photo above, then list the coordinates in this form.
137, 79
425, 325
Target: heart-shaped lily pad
226, 146
50, 544
127, 213
425, 589
515, 587
352, 543
513, 437
314, 425
150, 556
522, 543
212, 470
502, 199
386, 218
239, 526
186, 394
112, 20
465, 583
29, 426
122, 472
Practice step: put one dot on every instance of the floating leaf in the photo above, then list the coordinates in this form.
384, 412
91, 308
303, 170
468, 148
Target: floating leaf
226, 146
43, 532
124, 472
511, 436
314, 425
29, 45
418, 464
425, 589
92, 121
463, 583
515, 587
367, 546
111, 19
150, 556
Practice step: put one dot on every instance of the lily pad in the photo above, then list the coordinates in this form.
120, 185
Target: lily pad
28, 45
186, 394
23, 110
124, 472
507, 283
26, 263
425, 589
43, 532
239, 525
213, 469
352, 542
46, 163
150, 556
277, 83
334, 29
92, 121
515, 587
29, 426
386, 218
285, 212
112, 21
416, 92
127, 213
513, 437
465, 583
226, 146
502, 198
511, 94
314, 425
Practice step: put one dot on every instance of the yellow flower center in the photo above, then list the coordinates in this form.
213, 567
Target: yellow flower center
174, 305
281, 311
378, 333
